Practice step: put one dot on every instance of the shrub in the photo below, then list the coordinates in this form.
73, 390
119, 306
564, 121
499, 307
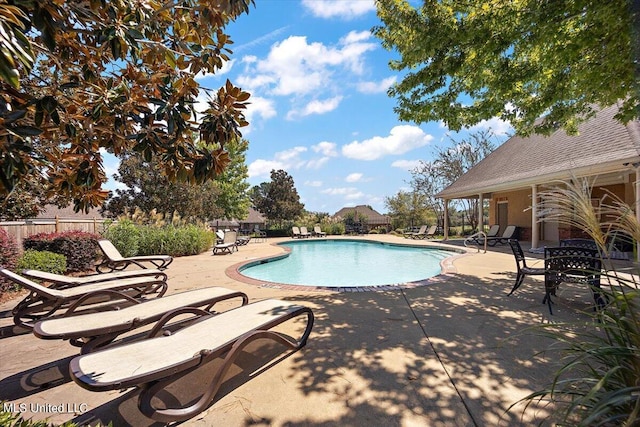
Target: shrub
125, 236
278, 232
8, 257
42, 260
174, 241
337, 229
79, 247
132, 240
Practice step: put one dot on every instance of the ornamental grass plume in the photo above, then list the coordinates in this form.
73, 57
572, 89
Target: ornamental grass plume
598, 379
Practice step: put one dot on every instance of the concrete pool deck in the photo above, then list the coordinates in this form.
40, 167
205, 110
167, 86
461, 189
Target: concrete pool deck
454, 351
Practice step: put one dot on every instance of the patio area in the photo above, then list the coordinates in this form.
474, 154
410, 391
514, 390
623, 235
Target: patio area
453, 351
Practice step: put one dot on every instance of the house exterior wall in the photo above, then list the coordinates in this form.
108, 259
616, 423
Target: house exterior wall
519, 207
517, 201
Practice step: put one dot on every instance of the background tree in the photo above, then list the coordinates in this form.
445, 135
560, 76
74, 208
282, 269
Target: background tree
25, 201
78, 77
278, 199
450, 163
233, 197
519, 60
407, 209
149, 189
427, 181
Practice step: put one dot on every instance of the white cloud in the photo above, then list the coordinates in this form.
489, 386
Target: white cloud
354, 196
287, 160
317, 107
260, 107
497, 126
345, 9
401, 139
263, 167
261, 40
406, 164
349, 193
294, 66
376, 87
354, 177
326, 148
292, 154
313, 183
317, 163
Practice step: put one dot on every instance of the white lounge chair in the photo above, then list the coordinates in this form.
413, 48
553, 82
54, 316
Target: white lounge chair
152, 364
424, 233
59, 281
43, 302
94, 330
229, 243
113, 260
317, 231
510, 232
410, 234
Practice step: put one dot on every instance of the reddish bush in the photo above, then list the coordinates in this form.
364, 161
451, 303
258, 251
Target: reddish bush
79, 247
8, 257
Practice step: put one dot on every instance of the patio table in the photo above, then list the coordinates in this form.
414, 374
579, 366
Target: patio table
575, 265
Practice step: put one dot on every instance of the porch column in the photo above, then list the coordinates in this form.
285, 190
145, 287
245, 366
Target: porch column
534, 217
637, 207
480, 212
446, 219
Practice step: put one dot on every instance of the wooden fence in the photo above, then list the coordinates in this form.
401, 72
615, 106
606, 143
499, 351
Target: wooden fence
25, 228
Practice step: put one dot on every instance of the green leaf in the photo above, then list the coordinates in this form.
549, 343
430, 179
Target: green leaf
170, 58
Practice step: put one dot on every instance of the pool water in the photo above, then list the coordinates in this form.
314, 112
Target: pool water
346, 263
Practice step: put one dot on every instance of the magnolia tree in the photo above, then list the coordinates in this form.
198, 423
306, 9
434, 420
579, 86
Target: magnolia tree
80, 78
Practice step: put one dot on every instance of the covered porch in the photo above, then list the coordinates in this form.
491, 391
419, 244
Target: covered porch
604, 152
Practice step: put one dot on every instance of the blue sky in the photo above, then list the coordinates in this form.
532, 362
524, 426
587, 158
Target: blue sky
319, 108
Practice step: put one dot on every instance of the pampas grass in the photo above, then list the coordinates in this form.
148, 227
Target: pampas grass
598, 381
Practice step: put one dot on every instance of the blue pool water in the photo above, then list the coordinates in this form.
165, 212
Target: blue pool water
346, 263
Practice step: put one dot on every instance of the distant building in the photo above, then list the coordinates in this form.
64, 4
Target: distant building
373, 218
53, 212
253, 220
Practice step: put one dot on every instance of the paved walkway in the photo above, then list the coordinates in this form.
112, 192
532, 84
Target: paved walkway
454, 352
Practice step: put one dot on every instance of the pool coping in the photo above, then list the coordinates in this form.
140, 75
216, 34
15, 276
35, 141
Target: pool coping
446, 265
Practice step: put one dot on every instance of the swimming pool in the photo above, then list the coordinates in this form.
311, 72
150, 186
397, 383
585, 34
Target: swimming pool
348, 263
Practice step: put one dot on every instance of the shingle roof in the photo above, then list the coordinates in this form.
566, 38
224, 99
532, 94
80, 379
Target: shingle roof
254, 217
602, 145
52, 211
373, 217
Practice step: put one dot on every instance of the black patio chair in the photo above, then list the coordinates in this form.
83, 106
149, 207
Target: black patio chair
521, 263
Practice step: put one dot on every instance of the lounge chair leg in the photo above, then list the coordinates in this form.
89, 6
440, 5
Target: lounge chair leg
169, 415
22, 313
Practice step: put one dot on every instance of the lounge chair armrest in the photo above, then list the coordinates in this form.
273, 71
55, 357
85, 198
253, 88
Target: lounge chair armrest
245, 300
155, 331
111, 293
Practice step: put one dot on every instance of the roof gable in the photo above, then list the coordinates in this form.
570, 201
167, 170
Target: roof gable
373, 217
602, 142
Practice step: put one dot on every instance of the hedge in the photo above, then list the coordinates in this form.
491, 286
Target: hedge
79, 247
